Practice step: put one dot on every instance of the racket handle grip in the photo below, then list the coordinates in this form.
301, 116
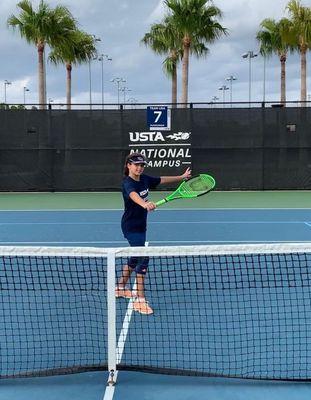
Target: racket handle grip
160, 202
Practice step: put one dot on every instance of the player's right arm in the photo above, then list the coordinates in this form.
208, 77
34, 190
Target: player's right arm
148, 205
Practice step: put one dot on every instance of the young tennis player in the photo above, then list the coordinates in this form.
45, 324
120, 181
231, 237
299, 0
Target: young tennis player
135, 190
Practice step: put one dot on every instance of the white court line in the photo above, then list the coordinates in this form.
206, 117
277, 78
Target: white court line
226, 222
60, 223
155, 222
109, 392
308, 224
162, 242
162, 209
61, 210
62, 242
125, 328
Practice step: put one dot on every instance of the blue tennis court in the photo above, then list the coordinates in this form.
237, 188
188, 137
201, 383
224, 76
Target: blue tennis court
101, 228
186, 227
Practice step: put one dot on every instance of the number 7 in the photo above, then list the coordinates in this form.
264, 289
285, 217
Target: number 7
158, 113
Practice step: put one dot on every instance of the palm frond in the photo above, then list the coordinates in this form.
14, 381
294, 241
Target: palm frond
273, 37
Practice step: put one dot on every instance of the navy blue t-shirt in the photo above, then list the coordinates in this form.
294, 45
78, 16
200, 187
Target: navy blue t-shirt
134, 218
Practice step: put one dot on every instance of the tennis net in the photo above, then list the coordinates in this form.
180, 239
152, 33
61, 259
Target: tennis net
234, 311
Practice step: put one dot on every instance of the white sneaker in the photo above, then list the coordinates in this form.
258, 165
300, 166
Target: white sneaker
140, 304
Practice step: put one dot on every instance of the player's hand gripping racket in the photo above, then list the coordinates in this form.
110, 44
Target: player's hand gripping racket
194, 187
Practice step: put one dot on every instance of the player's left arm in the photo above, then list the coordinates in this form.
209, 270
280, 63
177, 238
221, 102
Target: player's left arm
171, 179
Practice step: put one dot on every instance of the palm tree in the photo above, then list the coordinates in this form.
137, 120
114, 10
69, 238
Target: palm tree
81, 49
300, 37
196, 22
272, 41
44, 26
165, 40
170, 69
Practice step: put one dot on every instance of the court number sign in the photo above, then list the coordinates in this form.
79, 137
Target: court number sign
159, 118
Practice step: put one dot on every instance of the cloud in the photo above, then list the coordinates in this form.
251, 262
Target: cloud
121, 25
157, 14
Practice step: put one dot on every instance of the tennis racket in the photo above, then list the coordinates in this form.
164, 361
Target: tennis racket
194, 187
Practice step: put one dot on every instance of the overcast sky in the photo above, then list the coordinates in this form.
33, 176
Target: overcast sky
121, 24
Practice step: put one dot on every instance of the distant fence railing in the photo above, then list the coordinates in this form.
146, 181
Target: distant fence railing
131, 106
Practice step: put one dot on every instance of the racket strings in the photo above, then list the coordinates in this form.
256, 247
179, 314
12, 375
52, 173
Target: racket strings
198, 185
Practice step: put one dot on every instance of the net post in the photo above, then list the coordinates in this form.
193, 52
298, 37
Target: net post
111, 314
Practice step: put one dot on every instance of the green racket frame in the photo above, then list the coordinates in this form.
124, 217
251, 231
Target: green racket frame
194, 187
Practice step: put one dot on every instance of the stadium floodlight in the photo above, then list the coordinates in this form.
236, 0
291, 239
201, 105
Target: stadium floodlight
223, 88
230, 79
101, 59
118, 80
6, 83
96, 39
124, 90
25, 89
250, 54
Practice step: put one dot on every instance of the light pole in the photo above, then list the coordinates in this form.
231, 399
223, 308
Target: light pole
101, 58
230, 79
118, 81
223, 88
264, 79
250, 54
44, 79
124, 90
25, 89
133, 101
50, 101
214, 99
96, 39
6, 83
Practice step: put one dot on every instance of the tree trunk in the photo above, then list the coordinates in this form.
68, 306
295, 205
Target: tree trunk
283, 78
185, 71
174, 86
303, 91
68, 85
41, 78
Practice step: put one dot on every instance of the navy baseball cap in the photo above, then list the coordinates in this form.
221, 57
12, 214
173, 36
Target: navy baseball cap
137, 159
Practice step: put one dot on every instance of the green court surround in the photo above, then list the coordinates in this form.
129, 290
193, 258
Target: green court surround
113, 200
